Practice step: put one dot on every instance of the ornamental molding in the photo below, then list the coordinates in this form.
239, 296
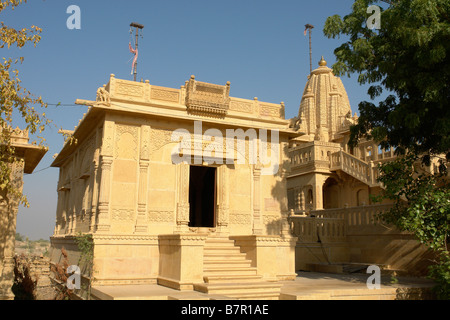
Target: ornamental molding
207, 99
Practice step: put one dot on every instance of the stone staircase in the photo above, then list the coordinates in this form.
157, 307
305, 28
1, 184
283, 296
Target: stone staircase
227, 272
355, 167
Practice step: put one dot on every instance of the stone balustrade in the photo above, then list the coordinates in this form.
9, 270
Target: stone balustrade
333, 225
313, 229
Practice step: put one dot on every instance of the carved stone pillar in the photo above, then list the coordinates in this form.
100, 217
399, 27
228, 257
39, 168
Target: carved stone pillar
94, 200
183, 198
141, 220
257, 226
303, 199
59, 211
223, 207
144, 163
103, 223
318, 192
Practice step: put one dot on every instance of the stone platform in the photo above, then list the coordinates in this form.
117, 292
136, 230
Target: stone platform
307, 286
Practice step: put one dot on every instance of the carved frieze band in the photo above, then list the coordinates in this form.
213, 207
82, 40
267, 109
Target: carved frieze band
164, 94
160, 215
129, 89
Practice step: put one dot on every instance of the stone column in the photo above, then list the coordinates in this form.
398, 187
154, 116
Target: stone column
7, 272
318, 192
223, 207
144, 163
257, 227
94, 194
104, 224
303, 199
59, 211
183, 198
141, 220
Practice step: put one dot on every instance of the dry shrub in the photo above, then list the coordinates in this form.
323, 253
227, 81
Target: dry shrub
24, 287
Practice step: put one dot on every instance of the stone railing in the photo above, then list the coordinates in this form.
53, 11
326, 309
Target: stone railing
361, 170
313, 229
333, 225
302, 156
354, 216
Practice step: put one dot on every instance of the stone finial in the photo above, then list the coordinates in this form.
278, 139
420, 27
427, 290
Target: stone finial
322, 62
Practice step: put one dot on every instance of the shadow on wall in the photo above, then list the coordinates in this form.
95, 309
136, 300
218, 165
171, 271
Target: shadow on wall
279, 194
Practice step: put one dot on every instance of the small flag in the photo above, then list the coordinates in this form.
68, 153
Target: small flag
308, 27
136, 53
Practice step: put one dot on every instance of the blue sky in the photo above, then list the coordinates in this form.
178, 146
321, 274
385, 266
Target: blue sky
257, 45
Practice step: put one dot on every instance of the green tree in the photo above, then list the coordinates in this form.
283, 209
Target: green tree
407, 58
16, 100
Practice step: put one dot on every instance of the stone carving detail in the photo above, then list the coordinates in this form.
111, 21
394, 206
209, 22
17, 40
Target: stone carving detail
103, 96
129, 89
271, 111
165, 95
241, 107
207, 99
159, 138
126, 141
183, 213
122, 214
241, 218
160, 215
145, 143
108, 137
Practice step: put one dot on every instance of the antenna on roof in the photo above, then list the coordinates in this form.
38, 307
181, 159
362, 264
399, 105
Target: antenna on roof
135, 51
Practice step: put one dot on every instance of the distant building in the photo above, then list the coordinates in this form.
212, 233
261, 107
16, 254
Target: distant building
28, 157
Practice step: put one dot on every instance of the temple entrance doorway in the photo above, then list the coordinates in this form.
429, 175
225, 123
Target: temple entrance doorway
202, 197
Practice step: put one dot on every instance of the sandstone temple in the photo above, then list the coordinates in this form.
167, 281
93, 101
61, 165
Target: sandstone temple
194, 189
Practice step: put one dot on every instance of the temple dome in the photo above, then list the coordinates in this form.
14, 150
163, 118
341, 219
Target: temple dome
325, 105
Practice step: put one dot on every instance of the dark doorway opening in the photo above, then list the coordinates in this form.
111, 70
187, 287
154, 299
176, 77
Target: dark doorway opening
202, 197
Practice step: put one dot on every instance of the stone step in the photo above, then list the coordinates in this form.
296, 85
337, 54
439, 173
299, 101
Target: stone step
258, 296
229, 271
227, 263
232, 279
241, 290
223, 256
219, 242
227, 250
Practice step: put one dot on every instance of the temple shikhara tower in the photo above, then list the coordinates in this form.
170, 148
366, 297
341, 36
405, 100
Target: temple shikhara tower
194, 189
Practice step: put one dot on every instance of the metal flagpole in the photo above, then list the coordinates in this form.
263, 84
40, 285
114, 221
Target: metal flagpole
138, 27
309, 28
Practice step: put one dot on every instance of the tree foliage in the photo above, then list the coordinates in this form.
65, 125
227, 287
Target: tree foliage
421, 200
407, 58
15, 100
